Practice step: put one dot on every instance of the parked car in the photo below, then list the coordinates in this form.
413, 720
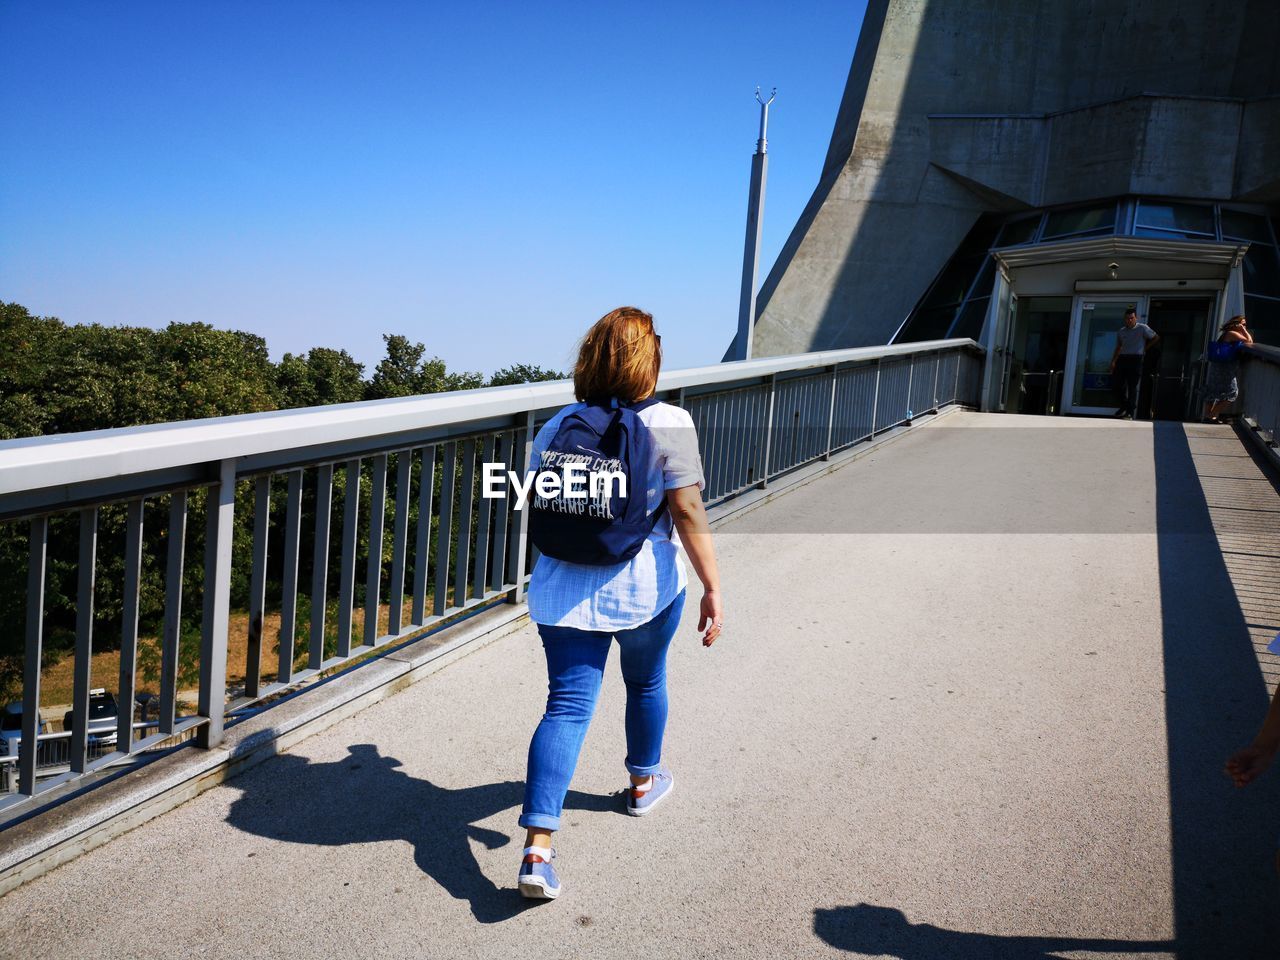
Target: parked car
104, 716
11, 728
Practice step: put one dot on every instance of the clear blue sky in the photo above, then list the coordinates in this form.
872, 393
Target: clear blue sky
487, 178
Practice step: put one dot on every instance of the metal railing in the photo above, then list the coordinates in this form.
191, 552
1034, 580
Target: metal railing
365, 521
1259, 384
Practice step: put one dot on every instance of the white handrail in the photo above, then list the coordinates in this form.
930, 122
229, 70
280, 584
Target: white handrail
39, 463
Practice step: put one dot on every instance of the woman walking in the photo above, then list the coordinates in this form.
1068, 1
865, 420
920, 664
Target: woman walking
1220, 388
581, 608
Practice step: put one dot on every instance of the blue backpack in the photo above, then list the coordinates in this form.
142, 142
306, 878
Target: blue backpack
609, 527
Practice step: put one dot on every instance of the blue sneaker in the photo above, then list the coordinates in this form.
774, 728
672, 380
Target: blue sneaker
538, 879
641, 802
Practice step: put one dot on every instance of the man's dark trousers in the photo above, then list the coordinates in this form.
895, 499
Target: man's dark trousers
1128, 373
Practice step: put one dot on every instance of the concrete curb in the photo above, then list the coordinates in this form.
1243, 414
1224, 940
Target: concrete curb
106, 809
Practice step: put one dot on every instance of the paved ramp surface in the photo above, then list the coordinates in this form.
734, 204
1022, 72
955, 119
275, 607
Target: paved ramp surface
972, 700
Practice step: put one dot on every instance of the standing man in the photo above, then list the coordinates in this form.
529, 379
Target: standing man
1132, 342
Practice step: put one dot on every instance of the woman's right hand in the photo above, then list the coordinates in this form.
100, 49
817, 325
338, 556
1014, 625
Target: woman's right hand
1245, 766
711, 612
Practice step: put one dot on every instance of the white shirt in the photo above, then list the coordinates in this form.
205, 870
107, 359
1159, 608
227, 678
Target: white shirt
623, 595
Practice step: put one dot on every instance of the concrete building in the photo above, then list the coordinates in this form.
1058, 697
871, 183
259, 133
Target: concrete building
1021, 171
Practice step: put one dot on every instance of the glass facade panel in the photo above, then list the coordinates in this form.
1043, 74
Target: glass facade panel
1262, 271
1019, 231
969, 323
1064, 223
1264, 319
1238, 225
954, 282
931, 324
1184, 218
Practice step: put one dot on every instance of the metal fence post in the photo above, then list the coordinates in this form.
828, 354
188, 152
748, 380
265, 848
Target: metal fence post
31, 667
523, 452
768, 431
220, 508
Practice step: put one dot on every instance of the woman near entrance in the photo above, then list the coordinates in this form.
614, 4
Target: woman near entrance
1220, 388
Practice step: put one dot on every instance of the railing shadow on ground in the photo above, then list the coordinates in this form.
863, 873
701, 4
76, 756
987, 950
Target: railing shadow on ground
885, 931
1225, 894
439, 822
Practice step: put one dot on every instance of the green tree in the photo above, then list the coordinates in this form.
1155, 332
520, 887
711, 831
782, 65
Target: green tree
404, 373
319, 377
524, 373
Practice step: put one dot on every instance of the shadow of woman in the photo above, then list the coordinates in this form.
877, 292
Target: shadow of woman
878, 931
366, 798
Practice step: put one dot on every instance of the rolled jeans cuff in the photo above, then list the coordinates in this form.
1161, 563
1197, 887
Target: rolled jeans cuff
642, 771
539, 821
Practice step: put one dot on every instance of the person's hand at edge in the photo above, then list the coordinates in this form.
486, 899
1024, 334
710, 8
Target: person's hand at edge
710, 617
1246, 765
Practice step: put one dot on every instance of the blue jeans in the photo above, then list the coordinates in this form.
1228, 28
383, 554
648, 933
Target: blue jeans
575, 667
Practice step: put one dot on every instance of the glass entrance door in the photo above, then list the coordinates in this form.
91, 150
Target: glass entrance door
1095, 321
1172, 374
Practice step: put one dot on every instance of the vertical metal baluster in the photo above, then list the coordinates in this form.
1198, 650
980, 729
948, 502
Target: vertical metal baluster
911, 373
520, 529
399, 536
289, 598
422, 544
768, 432
799, 421
746, 406
484, 514
449, 466
781, 435
347, 573
875, 400
831, 411
466, 493
84, 638
497, 565
755, 437
258, 585
129, 626
373, 573
38, 554
959, 363
177, 549
732, 417
320, 565
716, 416
217, 604
937, 362
707, 432
726, 442
804, 422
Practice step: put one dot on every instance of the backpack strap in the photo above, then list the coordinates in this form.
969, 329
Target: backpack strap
639, 405
636, 407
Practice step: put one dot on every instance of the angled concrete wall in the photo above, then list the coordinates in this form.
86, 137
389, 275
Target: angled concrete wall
956, 107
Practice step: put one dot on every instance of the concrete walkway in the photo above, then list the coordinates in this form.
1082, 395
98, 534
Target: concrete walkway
973, 700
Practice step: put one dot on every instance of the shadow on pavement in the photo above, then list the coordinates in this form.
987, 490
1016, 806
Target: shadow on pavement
885, 931
365, 798
1225, 897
